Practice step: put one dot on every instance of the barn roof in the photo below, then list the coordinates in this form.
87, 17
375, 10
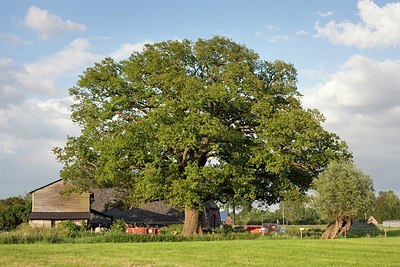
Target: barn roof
59, 216
140, 215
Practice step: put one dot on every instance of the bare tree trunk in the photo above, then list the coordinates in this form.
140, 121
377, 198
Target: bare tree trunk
234, 212
341, 225
192, 224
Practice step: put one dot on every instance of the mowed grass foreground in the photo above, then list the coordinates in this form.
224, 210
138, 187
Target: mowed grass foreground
261, 252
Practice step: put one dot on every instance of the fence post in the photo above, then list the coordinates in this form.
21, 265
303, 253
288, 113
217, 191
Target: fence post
301, 233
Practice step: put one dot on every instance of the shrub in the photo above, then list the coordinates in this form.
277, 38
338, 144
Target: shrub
118, 226
225, 229
173, 229
68, 229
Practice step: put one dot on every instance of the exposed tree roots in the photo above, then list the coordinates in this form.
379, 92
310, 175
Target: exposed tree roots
340, 226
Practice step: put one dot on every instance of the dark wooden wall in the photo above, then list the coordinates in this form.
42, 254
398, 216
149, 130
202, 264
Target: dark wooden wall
49, 199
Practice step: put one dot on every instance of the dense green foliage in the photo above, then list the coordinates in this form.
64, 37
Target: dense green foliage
256, 217
387, 206
343, 191
191, 122
14, 211
305, 215
260, 252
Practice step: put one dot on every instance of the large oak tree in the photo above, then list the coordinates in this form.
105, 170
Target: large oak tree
190, 122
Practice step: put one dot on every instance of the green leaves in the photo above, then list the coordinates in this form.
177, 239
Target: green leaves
387, 206
343, 190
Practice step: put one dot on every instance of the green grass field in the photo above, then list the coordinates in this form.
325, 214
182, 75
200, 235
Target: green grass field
261, 252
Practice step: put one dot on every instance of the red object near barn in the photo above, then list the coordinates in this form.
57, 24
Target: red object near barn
261, 229
143, 230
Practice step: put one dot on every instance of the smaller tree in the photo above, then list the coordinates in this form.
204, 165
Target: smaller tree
293, 206
14, 211
387, 206
343, 193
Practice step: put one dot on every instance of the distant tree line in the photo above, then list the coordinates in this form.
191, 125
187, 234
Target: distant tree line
385, 207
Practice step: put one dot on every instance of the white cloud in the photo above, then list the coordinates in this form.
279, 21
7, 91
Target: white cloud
272, 28
301, 33
49, 26
12, 39
378, 27
361, 104
325, 14
278, 37
126, 50
36, 119
75, 55
41, 76
11, 89
363, 85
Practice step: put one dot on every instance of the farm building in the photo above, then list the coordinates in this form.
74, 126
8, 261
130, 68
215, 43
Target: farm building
372, 220
57, 201
391, 223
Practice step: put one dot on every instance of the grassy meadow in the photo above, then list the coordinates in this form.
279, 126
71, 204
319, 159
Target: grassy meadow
259, 252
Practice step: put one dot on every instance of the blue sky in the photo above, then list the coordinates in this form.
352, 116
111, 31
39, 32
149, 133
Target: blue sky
346, 52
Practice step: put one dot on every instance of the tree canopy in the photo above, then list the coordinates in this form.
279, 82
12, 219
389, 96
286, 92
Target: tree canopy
387, 206
195, 121
343, 191
14, 211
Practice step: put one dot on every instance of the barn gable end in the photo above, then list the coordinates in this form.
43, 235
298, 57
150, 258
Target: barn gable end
51, 205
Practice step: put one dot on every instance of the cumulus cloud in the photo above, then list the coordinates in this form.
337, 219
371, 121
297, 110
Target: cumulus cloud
41, 76
361, 104
35, 119
378, 27
48, 26
12, 90
74, 56
126, 50
362, 86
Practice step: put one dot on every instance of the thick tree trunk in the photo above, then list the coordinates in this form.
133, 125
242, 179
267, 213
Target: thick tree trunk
192, 224
341, 225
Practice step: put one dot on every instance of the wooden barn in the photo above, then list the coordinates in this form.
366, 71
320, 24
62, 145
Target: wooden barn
57, 202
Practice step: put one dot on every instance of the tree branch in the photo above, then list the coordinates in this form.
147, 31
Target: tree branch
185, 153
